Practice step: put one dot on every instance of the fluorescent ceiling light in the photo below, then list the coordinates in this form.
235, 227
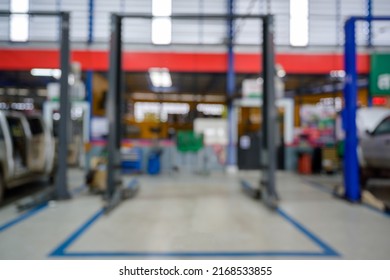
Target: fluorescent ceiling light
19, 28
210, 109
45, 72
18, 24
159, 109
160, 77
299, 23
161, 27
162, 8
19, 6
337, 73
161, 31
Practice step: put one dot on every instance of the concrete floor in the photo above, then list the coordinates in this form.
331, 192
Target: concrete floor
190, 216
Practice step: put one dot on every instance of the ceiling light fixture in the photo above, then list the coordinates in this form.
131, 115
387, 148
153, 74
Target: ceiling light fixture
160, 77
46, 72
161, 23
299, 23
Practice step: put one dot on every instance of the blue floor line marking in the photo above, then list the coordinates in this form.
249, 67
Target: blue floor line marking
60, 250
194, 254
326, 248
23, 217
327, 251
33, 211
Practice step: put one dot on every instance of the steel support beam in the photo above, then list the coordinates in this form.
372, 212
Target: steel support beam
91, 5
36, 14
192, 16
231, 161
339, 24
114, 116
369, 42
269, 116
89, 76
61, 181
369, 16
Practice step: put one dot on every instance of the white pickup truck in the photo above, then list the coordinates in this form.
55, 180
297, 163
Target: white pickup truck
26, 149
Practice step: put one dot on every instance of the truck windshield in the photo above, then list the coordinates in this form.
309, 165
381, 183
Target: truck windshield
35, 125
16, 127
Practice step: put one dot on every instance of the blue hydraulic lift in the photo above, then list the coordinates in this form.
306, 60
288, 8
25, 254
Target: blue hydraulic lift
351, 164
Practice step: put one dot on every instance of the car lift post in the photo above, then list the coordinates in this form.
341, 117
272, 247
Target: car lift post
114, 115
269, 116
351, 164
61, 180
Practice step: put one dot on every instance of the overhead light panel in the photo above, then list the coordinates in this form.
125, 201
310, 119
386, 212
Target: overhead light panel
18, 28
46, 72
161, 31
160, 77
161, 24
19, 20
299, 23
337, 73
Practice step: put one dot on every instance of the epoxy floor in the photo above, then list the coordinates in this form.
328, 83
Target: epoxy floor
193, 216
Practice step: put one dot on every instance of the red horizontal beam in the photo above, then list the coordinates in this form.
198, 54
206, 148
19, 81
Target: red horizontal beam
318, 63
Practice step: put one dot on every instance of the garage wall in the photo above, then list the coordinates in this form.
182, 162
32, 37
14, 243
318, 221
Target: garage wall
198, 31
326, 20
45, 28
135, 30
381, 30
